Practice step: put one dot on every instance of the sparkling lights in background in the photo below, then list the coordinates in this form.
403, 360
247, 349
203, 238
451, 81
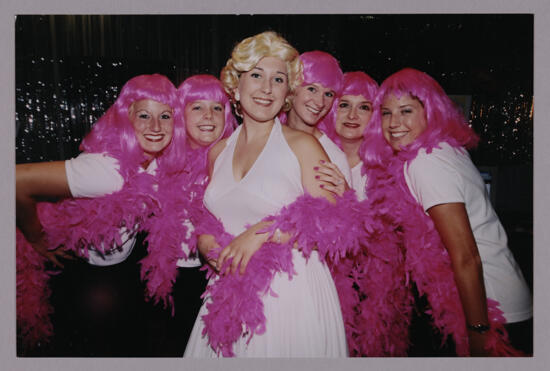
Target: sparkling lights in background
52, 118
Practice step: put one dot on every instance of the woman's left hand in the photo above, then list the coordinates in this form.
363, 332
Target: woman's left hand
334, 180
242, 248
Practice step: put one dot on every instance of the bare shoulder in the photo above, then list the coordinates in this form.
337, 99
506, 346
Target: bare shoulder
302, 143
216, 150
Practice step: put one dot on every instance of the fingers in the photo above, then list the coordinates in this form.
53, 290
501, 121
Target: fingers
244, 263
329, 172
227, 254
53, 258
63, 254
339, 190
331, 179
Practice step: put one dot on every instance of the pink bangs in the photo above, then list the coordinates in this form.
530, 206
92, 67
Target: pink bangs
114, 134
353, 83
323, 68
445, 122
206, 87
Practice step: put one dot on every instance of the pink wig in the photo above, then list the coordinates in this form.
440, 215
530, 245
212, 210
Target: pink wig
445, 122
206, 87
323, 68
353, 83
114, 134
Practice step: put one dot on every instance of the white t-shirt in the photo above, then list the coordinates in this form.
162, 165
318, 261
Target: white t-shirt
336, 156
448, 175
95, 175
359, 181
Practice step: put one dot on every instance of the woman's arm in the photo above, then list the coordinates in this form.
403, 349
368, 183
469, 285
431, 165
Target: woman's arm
309, 153
35, 181
453, 225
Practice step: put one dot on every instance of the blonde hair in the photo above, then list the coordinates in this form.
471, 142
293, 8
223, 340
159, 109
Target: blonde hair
246, 55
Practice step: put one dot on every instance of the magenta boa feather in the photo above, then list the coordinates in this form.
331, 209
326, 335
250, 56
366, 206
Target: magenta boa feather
179, 196
427, 262
33, 307
75, 224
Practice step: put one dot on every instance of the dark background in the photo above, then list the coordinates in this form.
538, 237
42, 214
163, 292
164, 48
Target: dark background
70, 68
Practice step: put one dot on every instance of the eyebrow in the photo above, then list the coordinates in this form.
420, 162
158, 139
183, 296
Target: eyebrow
261, 69
361, 102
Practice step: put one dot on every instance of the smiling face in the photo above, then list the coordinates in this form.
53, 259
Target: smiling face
153, 124
312, 102
262, 90
403, 120
352, 116
204, 121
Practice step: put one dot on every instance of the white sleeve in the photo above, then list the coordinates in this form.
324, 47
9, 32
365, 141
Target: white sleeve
93, 175
433, 180
336, 156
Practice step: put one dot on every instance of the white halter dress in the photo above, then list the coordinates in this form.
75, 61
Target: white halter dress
305, 319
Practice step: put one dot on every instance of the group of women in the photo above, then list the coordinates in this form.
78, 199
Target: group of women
316, 218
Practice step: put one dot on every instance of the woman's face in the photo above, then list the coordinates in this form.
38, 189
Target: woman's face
262, 90
204, 121
403, 120
311, 102
153, 124
352, 116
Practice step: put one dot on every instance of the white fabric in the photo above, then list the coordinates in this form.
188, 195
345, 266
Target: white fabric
359, 181
305, 319
95, 175
192, 259
448, 175
336, 156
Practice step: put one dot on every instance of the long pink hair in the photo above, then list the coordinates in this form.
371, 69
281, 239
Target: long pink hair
353, 83
114, 134
445, 122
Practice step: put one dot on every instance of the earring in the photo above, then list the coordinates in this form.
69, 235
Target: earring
288, 104
237, 96
237, 109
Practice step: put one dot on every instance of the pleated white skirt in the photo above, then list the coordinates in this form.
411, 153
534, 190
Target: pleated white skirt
305, 319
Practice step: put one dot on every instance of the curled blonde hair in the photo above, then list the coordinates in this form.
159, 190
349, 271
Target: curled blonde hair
247, 53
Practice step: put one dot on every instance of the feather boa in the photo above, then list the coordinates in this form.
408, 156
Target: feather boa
179, 197
75, 224
314, 223
33, 307
427, 262
373, 288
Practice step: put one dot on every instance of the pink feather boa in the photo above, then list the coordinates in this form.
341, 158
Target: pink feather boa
33, 307
314, 223
427, 262
75, 224
180, 197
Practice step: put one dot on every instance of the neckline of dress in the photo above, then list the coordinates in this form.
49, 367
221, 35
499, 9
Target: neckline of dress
245, 176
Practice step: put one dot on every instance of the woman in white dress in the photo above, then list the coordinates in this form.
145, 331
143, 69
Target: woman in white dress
261, 168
